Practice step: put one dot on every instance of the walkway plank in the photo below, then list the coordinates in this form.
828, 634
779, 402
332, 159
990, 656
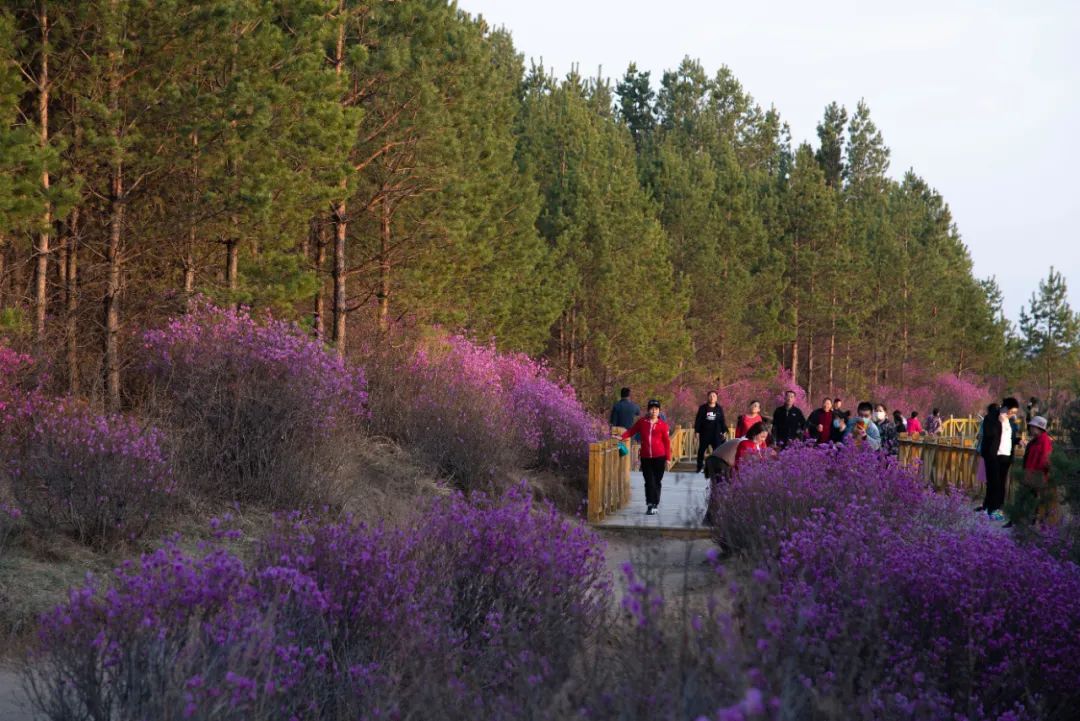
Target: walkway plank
682, 506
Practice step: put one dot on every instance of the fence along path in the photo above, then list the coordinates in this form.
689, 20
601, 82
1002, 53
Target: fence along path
616, 495
617, 492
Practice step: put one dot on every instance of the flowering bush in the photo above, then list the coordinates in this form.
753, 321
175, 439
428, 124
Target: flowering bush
876, 596
756, 514
915, 622
477, 612
953, 395
478, 414
255, 407
682, 402
100, 478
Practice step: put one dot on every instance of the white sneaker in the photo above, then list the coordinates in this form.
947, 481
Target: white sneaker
650, 511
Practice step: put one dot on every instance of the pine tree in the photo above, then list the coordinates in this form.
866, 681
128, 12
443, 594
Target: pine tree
1050, 330
637, 102
830, 152
622, 308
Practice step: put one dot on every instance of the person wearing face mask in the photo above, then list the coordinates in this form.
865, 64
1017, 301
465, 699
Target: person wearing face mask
863, 429
890, 441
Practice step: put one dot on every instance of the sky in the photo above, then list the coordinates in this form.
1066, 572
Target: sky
982, 98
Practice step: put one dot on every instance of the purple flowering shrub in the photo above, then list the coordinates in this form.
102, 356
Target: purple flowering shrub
756, 513
256, 408
927, 623
871, 594
99, 478
476, 612
477, 413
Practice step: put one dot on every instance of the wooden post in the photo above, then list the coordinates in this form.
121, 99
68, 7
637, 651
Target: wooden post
594, 483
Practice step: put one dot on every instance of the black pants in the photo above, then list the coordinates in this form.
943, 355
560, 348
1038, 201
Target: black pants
704, 442
997, 474
653, 470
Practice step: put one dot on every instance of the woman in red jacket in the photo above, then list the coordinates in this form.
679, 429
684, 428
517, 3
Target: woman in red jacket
655, 452
754, 445
748, 421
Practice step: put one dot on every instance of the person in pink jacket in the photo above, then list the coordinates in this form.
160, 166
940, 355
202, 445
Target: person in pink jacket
655, 452
914, 425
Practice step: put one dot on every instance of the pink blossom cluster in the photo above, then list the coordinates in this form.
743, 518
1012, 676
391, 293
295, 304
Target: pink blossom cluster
959, 396
499, 398
225, 346
479, 611
681, 402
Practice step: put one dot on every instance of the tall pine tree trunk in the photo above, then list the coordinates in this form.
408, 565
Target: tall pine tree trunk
193, 237
339, 276
795, 314
321, 241
113, 253
71, 298
232, 267
41, 294
112, 286
832, 347
340, 227
384, 265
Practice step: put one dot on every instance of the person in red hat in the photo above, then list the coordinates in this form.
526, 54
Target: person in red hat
655, 452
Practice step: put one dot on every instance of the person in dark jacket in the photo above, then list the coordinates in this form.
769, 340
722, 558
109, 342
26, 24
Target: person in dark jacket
899, 422
710, 426
890, 441
1000, 437
820, 423
625, 411
789, 423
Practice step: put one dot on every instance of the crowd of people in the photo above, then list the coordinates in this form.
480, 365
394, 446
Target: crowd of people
755, 436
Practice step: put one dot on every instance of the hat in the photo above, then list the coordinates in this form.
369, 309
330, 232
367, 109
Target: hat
653, 403
1038, 422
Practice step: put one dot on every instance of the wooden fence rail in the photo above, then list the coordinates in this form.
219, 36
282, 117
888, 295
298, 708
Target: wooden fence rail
944, 462
609, 477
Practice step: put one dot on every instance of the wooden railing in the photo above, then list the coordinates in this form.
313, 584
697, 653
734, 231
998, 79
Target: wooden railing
944, 462
683, 444
609, 477
954, 427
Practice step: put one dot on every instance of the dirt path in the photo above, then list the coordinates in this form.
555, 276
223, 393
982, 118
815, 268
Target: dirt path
12, 699
678, 564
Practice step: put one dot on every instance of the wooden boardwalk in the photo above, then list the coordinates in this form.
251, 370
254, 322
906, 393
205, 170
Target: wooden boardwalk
682, 506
